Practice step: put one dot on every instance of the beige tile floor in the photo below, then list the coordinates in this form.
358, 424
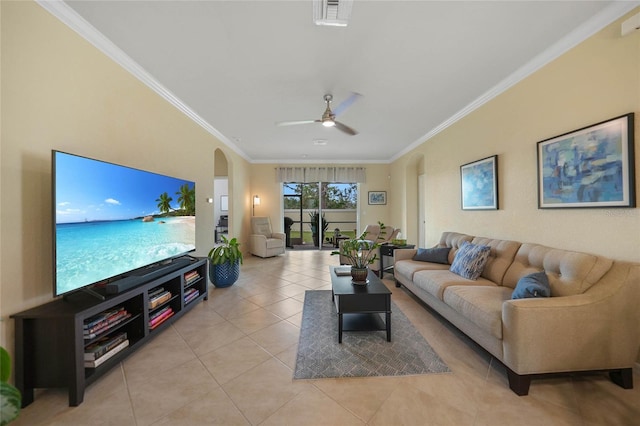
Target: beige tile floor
230, 361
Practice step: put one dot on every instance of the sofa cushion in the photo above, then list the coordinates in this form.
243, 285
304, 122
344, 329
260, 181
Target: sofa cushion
405, 269
436, 281
500, 257
480, 305
470, 260
532, 285
569, 272
435, 255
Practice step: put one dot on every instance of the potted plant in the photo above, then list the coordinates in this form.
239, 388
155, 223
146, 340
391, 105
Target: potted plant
316, 222
10, 398
360, 253
224, 262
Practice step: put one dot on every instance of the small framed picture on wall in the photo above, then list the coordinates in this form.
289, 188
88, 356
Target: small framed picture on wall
377, 197
479, 181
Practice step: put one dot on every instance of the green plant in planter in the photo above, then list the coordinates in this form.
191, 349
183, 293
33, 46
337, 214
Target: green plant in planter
359, 251
225, 260
316, 222
10, 398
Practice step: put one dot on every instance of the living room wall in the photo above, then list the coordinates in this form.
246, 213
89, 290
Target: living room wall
60, 92
264, 184
596, 80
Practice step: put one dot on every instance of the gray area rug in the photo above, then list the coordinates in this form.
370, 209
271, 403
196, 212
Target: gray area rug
361, 353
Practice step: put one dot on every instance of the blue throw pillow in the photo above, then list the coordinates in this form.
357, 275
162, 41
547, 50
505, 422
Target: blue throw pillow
433, 255
532, 285
470, 260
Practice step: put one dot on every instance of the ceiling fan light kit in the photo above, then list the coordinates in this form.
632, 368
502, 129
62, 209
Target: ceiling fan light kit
329, 117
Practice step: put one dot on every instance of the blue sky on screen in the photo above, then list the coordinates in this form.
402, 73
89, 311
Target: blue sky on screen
91, 190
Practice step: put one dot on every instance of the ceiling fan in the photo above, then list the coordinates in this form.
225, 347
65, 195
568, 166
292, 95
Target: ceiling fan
329, 117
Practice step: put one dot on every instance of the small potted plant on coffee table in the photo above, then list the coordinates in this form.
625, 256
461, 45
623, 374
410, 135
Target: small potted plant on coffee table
360, 253
224, 262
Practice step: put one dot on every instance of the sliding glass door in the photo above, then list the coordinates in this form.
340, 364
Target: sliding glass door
321, 213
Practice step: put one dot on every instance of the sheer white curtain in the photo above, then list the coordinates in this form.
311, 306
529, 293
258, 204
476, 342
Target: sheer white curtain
290, 174
321, 174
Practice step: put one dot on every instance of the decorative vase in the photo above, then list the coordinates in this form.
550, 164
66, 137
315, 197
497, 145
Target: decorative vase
359, 275
224, 274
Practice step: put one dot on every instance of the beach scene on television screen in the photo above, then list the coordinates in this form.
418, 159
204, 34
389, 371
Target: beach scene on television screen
112, 219
584, 168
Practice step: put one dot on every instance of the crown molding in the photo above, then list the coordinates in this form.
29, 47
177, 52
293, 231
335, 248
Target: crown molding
77, 23
575, 37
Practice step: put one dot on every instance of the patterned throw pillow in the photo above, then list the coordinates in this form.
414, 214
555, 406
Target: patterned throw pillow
470, 260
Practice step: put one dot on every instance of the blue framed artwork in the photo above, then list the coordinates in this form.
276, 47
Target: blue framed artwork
479, 181
588, 167
377, 197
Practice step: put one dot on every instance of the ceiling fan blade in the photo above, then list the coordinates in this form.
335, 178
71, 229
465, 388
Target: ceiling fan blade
293, 123
343, 127
346, 103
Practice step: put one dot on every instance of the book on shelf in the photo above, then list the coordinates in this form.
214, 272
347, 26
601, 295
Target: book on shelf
92, 334
190, 295
97, 362
159, 319
159, 299
342, 271
105, 323
156, 292
103, 345
159, 313
191, 275
103, 317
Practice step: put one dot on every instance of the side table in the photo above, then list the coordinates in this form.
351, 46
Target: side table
387, 250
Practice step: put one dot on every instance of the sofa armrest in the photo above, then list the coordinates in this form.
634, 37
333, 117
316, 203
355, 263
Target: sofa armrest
403, 254
594, 330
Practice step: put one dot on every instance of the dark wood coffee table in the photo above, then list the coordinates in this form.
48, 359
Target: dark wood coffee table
359, 306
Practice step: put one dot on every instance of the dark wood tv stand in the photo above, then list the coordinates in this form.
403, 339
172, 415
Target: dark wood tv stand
49, 340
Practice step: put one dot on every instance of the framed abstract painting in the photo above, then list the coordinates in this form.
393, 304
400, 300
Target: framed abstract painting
588, 167
479, 181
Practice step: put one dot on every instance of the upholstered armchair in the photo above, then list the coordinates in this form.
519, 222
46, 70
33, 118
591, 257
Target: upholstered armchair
263, 242
373, 233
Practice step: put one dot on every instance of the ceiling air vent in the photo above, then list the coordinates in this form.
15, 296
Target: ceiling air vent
332, 12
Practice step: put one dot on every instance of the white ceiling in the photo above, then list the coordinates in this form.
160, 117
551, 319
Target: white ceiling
238, 67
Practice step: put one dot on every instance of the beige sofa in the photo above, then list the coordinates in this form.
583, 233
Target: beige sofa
591, 322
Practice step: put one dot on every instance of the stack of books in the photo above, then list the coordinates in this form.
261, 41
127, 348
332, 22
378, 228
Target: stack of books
104, 321
191, 277
158, 296
159, 317
104, 348
190, 294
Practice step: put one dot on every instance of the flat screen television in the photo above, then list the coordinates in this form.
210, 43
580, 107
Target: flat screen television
111, 220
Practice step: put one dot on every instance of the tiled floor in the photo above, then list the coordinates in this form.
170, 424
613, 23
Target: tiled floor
230, 361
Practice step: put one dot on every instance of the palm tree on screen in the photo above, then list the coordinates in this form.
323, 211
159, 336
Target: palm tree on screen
164, 202
187, 199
